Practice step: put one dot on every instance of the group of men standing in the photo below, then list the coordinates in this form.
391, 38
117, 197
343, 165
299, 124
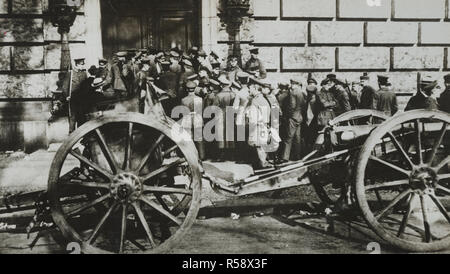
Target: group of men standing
270, 125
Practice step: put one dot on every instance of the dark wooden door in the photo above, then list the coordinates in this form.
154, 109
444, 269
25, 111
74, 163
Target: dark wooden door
149, 23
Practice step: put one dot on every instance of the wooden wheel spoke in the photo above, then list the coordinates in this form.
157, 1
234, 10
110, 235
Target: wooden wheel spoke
88, 184
387, 184
88, 205
396, 200
101, 223
167, 190
161, 210
144, 223
106, 151
440, 207
123, 231
168, 151
442, 188
405, 217
91, 164
443, 163
149, 153
163, 169
443, 176
392, 166
400, 149
418, 141
129, 142
438, 143
161, 201
426, 222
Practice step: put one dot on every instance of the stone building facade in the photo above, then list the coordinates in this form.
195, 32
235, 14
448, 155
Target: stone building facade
402, 38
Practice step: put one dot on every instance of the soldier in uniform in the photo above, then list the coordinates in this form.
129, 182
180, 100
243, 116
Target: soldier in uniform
193, 122
341, 96
310, 121
215, 70
386, 99
325, 103
77, 87
240, 104
224, 99
232, 68
424, 97
193, 57
105, 73
203, 62
254, 65
368, 94
186, 71
121, 74
444, 99
296, 109
258, 114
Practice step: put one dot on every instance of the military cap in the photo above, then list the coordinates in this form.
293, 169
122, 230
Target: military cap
102, 62
79, 59
383, 80
237, 85
150, 79
294, 82
223, 80
202, 53
213, 54
186, 62
174, 54
311, 81
254, 50
214, 82
430, 86
98, 82
232, 56
194, 49
364, 77
191, 85
215, 65
165, 64
242, 74
331, 76
160, 54
283, 85
121, 54
447, 78
192, 77
325, 81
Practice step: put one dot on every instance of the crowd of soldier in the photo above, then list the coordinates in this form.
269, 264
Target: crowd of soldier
197, 81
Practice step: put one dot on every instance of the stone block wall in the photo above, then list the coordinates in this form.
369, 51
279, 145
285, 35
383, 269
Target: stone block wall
29, 64
401, 38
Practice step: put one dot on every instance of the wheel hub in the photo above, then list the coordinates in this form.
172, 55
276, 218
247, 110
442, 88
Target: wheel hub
423, 178
126, 187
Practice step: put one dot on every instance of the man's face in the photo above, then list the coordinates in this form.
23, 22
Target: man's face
254, 55
146, 67
447, 85
201, 59
329, 85
233, 62
122, 59
216, 71
364, 82
80, 65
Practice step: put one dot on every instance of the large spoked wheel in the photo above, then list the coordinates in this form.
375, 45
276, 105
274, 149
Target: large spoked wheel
402, 181
330, 181
127, 183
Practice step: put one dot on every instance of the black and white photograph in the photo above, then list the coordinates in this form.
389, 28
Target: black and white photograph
224, 127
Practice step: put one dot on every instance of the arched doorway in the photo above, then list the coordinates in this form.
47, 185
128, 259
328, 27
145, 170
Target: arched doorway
162, 24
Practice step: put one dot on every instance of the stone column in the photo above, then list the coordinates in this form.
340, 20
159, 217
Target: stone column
94, 46
209, 24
